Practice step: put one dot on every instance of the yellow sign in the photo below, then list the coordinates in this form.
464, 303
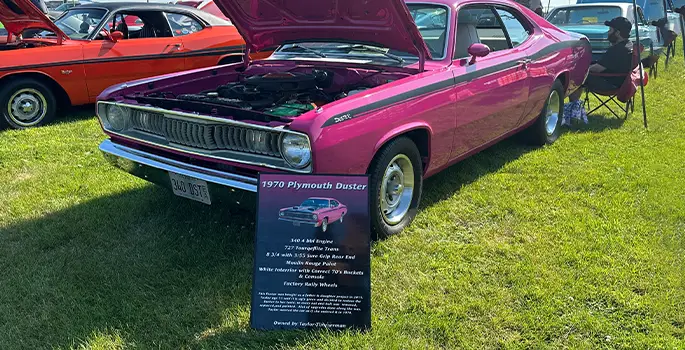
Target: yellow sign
590, 19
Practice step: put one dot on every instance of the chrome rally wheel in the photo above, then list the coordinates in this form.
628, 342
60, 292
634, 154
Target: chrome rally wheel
26, 102
324, 225
552, 115
397, 189
27, 107
395, 182
546, 128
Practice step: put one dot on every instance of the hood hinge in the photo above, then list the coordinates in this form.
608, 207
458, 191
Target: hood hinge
246, 57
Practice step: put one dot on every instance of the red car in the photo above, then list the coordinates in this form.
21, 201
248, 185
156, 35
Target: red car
397, 91
315, 211
91, 47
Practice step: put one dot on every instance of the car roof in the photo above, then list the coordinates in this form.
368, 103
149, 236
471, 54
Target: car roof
324, 198
145, 6
622, 5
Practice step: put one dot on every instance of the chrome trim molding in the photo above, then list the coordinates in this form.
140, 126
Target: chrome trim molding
258, 160
125, 157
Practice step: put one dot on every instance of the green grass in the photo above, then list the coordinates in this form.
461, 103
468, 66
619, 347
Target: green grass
578, 245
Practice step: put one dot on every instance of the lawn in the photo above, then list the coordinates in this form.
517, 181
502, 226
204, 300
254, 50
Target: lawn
578, 245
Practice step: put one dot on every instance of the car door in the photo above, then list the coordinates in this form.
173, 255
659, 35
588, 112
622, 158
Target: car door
335, 211
133, 57
492, 92
204, 46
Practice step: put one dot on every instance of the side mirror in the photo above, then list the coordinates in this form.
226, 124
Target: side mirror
478, 50
115, 36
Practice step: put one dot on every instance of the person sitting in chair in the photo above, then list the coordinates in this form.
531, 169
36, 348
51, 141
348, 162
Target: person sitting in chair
618, 59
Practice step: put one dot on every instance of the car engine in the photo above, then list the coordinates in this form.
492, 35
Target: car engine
279, 93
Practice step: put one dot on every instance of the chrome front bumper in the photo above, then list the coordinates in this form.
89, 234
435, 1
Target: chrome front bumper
156, 169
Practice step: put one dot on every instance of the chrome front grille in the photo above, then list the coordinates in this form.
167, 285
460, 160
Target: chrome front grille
208, 136
298, 215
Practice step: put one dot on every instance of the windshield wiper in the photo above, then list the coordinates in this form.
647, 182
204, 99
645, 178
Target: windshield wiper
372, 49
307, 49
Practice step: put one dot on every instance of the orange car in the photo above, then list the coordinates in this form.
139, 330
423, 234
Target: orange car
69, 62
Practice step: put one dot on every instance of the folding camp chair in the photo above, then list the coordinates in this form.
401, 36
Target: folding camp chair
669, 42
624, 96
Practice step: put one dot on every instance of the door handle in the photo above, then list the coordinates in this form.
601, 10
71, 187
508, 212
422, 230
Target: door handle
525, 62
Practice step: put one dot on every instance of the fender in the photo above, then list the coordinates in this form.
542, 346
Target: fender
47, 77
565, 77
403, 129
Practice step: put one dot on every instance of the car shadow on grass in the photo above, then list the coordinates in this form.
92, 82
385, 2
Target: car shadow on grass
157, 270
596, 123
445, 184
75, 114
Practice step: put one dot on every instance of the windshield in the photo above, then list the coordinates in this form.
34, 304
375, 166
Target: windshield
430, 19
79, 24
317, 203
432, 23
64, 7
584, 15
3, 31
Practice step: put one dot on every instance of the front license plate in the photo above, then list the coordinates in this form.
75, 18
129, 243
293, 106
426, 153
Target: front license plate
296, 224
191, 188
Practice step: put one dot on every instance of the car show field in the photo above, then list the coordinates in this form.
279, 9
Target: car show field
386, 174
575, 245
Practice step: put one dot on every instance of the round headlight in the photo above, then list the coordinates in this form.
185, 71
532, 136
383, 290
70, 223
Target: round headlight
296, 150
281, 213
314, 217
117, 117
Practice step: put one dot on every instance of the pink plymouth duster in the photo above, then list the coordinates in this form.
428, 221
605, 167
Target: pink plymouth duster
393, 89
315, 211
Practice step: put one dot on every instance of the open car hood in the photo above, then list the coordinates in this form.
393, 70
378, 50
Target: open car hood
19, 15
270, 23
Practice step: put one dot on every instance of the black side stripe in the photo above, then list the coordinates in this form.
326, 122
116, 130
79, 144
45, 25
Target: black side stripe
199, 53
354, 113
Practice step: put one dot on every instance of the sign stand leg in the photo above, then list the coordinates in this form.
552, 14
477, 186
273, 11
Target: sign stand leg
642, 83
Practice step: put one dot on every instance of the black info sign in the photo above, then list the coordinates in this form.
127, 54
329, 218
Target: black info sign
312, 253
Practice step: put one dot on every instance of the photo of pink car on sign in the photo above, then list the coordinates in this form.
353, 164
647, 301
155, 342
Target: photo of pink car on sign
315, 211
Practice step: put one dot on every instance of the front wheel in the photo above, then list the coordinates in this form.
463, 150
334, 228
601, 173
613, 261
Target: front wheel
545, 130
324, 225
396, 185
26, 103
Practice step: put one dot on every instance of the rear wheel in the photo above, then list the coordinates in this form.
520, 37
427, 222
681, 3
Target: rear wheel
27, 103
546, 128
396, 185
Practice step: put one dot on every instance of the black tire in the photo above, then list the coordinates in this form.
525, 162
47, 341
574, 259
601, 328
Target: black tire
398, 147
538, 134
37, 95
324, 225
